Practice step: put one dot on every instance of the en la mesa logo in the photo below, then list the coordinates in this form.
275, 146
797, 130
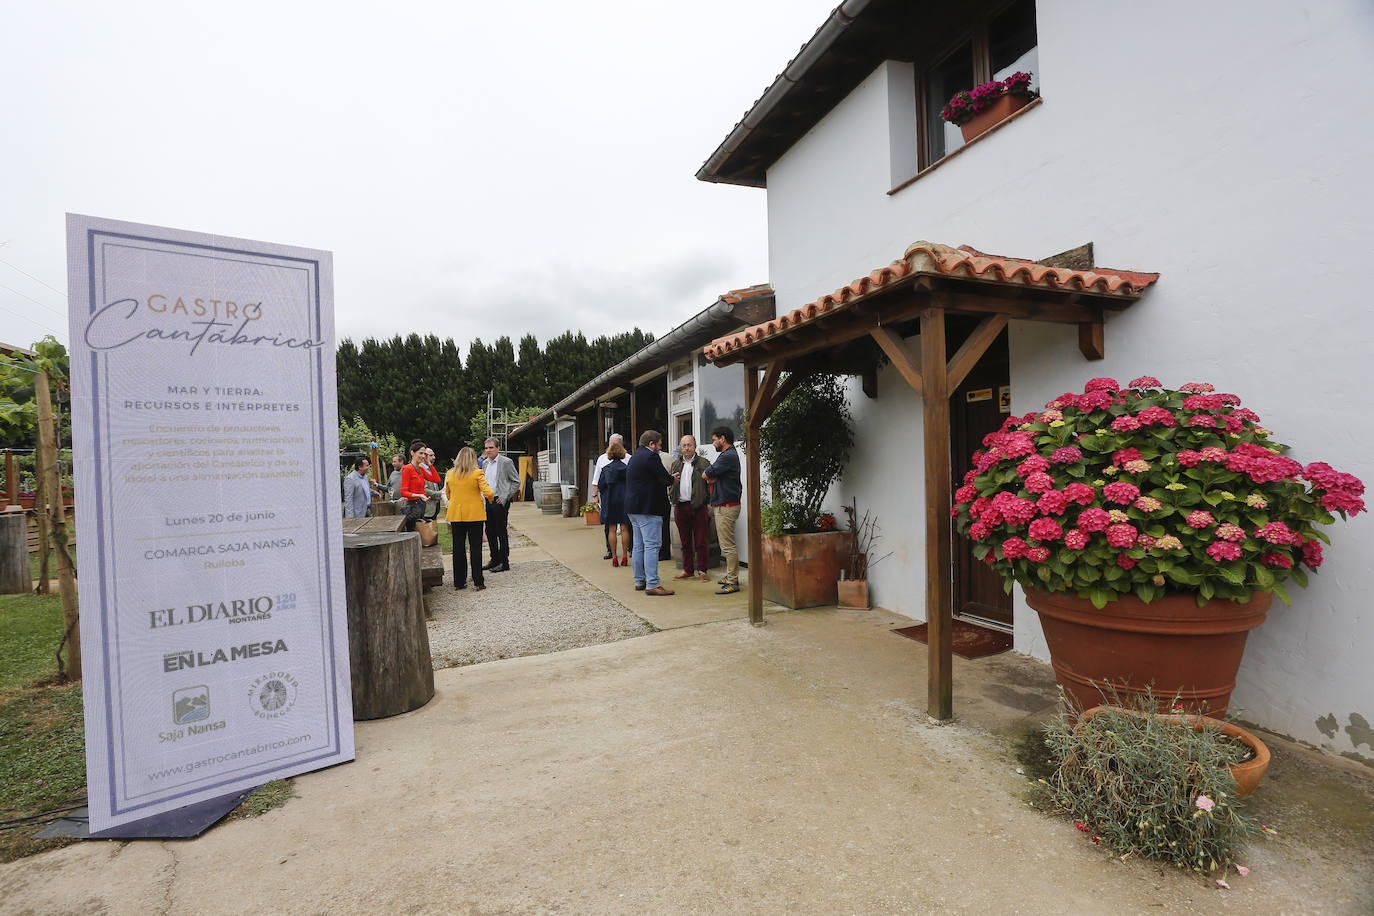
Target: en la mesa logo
190, 658
124, 321
235, 611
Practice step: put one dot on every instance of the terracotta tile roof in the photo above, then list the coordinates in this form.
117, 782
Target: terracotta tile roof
748, 292
934, 259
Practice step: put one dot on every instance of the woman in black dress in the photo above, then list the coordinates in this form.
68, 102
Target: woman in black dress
610, 487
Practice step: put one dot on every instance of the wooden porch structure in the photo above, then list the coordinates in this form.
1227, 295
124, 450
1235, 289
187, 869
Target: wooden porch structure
952, 298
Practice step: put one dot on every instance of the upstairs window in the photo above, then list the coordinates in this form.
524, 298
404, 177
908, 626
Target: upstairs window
1000, 40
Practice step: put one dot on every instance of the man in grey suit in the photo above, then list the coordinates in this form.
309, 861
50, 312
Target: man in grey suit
504, 481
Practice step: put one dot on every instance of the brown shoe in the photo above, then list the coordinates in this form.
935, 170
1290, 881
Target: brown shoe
703, 577
659, 590
683, 575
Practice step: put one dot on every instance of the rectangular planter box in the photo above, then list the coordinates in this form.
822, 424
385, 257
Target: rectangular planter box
801, 570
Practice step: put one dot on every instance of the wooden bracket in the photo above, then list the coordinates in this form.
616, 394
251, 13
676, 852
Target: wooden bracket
897, 353
1092, 339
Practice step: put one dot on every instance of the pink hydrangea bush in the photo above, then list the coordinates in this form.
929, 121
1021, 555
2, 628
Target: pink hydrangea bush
1148, 491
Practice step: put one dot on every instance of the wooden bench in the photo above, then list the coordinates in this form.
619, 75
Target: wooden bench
431, 566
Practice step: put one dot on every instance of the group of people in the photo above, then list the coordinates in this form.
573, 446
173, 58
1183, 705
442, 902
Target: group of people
636, 492
479, 492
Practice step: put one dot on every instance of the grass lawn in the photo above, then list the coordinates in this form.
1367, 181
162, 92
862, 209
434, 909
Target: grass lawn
42, 732
42, 741
52, 564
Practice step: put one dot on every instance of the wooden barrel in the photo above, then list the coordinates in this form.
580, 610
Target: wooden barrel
14, 554
550, 497
388, 643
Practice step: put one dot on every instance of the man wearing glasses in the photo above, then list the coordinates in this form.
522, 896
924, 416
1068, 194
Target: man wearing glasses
505, 483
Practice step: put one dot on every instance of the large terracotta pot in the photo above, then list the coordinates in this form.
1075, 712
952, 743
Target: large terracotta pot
800, 570
1004, 107
1169, 645
591, 517
1246, 774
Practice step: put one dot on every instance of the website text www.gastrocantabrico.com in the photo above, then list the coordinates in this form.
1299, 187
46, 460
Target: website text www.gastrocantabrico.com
221, 758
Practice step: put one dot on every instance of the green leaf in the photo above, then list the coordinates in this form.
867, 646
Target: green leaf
1100, 597
1282, 593
1299, 576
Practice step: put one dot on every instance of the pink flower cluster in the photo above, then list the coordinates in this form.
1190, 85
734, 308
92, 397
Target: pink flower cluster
968, 103
1341, 492
1218, 491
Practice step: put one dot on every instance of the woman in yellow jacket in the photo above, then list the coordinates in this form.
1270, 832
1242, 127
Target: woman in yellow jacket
465, 486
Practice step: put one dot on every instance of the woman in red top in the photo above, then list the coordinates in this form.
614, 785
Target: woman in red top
413, 477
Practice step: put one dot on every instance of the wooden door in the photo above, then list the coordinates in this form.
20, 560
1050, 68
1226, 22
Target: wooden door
977, 408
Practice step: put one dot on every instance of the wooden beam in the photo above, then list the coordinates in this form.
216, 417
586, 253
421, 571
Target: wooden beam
783, 390
754, 497
901, 359
870, 382
1092, 339
995, 300
973, 349
939, 546
763, 395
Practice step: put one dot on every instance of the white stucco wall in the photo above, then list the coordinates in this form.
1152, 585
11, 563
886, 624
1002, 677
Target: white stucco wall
1231, 156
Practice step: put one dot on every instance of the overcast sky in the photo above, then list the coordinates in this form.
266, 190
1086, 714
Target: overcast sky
477, 168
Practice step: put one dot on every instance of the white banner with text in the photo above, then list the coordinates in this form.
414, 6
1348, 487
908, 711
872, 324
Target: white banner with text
214, 639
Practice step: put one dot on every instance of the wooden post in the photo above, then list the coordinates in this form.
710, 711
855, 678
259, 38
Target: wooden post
754, 525
11, 479
14, 554
40, 517
939, 549
57, 513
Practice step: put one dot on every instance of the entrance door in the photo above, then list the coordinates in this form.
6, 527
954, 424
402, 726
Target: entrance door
977, 408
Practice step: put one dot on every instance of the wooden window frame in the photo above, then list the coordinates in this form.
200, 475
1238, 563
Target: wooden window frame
976, 36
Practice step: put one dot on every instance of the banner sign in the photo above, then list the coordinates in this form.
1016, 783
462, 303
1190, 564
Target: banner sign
214, 640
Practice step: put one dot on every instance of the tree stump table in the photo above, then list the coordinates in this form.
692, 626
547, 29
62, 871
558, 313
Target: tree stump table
388, 643
14, 554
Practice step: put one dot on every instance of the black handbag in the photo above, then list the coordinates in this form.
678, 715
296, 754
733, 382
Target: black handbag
415, 510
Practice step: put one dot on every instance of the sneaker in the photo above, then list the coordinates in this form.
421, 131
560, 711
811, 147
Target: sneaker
729, 588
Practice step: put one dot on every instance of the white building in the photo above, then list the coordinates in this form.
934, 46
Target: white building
1222, 145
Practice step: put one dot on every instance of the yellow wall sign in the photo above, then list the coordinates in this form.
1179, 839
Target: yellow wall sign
978, 394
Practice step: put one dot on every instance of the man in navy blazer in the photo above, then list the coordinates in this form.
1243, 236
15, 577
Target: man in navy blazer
646, 502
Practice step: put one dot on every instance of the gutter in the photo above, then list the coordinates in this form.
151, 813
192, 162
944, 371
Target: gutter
810, 53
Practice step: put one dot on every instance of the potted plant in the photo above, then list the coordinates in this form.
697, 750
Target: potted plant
975, 110
804, 446
1142, 784
852, 589
1150, 529
591, 515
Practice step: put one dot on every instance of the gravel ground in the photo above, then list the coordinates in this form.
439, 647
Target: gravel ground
539, 606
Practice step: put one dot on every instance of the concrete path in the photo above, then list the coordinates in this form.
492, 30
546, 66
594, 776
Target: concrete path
717, 768
579, 546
